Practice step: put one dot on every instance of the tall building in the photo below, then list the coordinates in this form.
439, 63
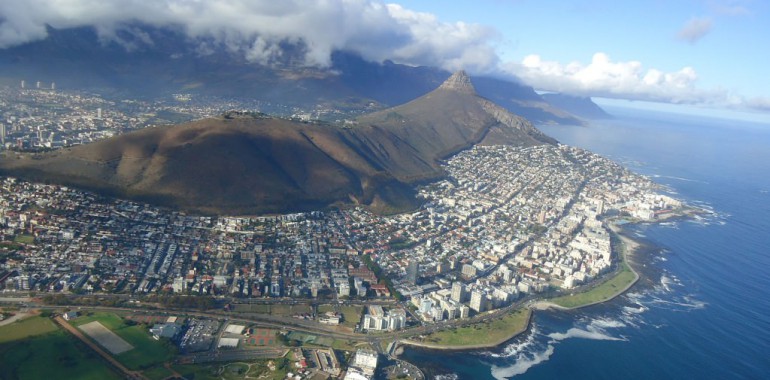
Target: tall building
396, 319
53, 85
2, 133
458, 292
98, 113
478, 301
412, 272
23, 84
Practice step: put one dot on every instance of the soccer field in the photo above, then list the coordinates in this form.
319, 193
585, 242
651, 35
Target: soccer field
106, 338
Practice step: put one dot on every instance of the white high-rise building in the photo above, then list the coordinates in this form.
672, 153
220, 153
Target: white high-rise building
478, 301
458, 292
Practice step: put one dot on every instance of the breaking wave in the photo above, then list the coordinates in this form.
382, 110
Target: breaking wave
523, 364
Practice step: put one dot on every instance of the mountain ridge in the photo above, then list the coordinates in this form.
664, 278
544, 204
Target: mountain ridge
79, 58
256, 164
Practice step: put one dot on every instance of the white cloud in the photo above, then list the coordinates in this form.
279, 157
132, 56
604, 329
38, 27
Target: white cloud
606, 78
255, 28
695, 29
758, 103
258, 29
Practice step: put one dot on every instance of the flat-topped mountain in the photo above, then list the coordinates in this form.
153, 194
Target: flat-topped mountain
165, 61
251, 163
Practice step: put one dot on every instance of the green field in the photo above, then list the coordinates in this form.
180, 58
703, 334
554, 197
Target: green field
158, 373
492, 332
289, 310
348, 345
147, 351
277, 309
26, 328
24, 239
351, 315
235, 371
36, 349
602, 292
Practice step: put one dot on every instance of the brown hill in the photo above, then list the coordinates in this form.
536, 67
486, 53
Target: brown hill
241, 164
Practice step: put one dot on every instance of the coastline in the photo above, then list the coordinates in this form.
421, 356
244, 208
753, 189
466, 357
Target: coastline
628, 248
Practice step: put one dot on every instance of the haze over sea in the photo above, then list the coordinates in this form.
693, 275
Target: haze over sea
702, 309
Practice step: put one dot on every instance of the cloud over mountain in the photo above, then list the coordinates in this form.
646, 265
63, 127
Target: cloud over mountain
258, 28
308, 32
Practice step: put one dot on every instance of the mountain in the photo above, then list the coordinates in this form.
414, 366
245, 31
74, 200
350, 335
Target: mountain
251, 163
155, 62
581, 106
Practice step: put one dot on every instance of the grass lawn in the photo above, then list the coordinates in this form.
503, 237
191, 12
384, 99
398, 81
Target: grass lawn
24, 239
325, 308
256, 308
601, 292
348, 345
26, 328
494, 331
289, 310
351, 315
147, 351
234, 371
36, 349
158, 373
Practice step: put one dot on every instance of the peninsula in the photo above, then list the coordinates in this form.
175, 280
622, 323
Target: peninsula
504, 220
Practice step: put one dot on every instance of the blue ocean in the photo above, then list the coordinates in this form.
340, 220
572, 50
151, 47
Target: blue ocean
702, 308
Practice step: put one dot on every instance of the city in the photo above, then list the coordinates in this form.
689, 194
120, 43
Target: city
506, 223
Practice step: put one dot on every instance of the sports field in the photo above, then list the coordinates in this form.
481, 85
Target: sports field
106, 338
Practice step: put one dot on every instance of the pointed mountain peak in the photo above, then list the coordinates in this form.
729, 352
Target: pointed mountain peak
459, 82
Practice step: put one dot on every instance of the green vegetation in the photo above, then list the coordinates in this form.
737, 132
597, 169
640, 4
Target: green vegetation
158, 373
607, 289
276, 309
351, 315
289, 310
252, 308
485, 333
234, 371
36, 349
400, 243
26, 328
602, 292
147, 351
378, 272
347, 345
24, 239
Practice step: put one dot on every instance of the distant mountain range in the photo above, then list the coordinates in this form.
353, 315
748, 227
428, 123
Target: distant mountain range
580, 106
251, 163
156, 62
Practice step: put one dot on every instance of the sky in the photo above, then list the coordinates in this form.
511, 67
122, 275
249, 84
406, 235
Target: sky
706, 53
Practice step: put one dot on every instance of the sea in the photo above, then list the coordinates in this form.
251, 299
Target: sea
702, 307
